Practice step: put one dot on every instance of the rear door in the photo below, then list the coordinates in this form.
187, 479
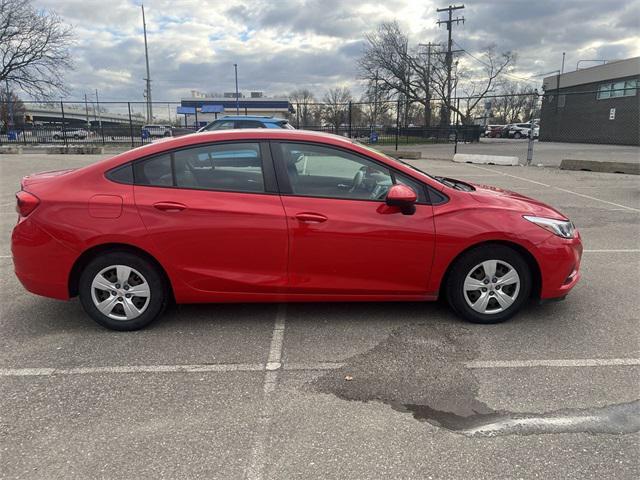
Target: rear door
215, 214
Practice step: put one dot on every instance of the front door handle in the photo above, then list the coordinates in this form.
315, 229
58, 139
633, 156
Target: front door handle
307, 217
169, 206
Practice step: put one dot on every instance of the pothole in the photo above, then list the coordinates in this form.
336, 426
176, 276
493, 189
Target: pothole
420, 369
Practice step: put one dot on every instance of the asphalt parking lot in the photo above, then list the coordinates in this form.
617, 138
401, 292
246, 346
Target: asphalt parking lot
358, 391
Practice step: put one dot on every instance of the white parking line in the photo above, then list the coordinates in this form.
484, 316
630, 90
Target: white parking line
630, 250
233, 367
625, 207
579, 362
255, 470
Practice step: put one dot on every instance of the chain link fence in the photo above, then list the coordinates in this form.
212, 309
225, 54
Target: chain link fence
496, 125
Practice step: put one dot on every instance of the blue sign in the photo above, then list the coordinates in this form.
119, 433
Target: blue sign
212, 109
373, 137
186, 110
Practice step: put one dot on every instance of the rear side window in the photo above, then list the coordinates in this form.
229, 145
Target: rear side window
155, 171
222, 125
249, 124
233, 167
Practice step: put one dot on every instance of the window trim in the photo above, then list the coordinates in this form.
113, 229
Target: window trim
285, 186
268, 172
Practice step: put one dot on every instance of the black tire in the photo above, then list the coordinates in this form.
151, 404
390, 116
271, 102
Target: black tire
517, 135
157, 300
463, 266
56, 137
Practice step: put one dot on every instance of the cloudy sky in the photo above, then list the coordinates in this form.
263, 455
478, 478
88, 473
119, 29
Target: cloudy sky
281, 45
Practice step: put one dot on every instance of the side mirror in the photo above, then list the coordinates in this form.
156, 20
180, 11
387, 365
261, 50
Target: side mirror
403, 197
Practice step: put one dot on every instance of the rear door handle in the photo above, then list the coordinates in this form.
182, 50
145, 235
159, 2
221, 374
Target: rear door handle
169, 206
307, 217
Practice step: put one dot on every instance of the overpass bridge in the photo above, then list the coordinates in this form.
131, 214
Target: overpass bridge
77, 116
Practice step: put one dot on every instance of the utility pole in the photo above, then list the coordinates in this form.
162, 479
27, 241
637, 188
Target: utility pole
99, 113
235, 66
86, 111
148, 79
375, 103
427, 98
445, 116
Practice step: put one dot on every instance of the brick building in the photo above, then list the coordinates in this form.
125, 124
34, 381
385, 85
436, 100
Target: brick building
600, 104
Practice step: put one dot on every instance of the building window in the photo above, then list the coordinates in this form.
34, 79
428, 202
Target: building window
617, 89
562, 100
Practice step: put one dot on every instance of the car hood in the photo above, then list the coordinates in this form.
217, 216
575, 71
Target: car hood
501, 198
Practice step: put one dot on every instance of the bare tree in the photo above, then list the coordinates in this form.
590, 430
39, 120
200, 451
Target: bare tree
304, 101
519, 103
12, 111
406, 72
336, 109
34, 48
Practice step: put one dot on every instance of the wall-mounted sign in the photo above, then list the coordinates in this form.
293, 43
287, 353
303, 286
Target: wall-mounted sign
612, 114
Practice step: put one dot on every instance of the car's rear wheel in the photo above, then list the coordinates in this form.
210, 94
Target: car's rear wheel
489, 284
122, 291
517, 135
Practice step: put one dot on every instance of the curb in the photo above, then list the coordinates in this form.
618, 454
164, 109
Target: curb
485, 159
11, 150
604, 167
408, 154
75, 150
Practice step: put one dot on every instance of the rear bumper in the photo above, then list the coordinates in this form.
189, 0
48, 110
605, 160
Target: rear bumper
559, 261
40, 262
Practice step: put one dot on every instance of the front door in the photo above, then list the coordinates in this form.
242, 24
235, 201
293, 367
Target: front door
216, 217
344, 239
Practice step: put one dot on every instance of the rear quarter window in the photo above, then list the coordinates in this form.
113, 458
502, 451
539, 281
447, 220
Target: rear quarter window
122, 174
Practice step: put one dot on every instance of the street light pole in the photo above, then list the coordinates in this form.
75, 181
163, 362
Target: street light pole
148, 79
235, 66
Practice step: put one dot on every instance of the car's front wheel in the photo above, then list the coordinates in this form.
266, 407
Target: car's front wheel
517, 135
122, 291
489, 284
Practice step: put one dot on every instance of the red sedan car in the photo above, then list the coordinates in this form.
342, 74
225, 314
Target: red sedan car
282, 216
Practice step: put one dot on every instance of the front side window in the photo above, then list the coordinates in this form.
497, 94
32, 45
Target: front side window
233, 167
319, 171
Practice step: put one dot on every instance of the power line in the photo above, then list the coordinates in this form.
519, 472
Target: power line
488, 65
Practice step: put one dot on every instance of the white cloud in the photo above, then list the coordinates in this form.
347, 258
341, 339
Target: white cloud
285, 44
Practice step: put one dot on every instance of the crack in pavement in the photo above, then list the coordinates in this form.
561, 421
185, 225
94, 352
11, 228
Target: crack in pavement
421, 369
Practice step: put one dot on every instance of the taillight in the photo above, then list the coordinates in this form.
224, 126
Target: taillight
26, 203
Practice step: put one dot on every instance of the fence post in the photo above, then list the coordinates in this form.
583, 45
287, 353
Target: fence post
196, 113
349, 132
397, 123
130, 124
530, 143
64, 128
297, 115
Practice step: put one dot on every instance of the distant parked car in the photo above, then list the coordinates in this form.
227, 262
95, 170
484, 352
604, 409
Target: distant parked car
157, 130
75, 133
493, 131
230, 122
523, 130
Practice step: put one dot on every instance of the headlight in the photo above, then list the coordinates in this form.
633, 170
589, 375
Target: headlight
561, 228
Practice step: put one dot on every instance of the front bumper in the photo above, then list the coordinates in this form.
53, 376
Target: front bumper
559, 261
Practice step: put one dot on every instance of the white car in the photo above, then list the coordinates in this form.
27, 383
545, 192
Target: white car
523, 130
157, 130
75, 133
